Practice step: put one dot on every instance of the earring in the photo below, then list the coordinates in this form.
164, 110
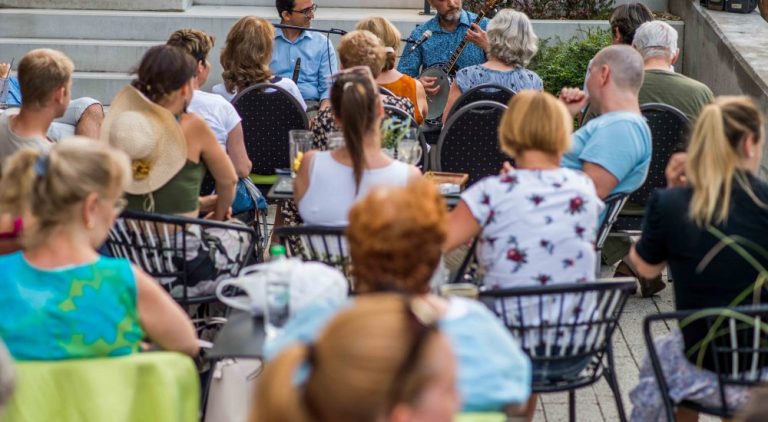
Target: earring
90, 225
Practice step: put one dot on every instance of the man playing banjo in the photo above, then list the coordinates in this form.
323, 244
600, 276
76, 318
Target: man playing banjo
449, 28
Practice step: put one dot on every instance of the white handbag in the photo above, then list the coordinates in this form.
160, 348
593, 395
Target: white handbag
231, 390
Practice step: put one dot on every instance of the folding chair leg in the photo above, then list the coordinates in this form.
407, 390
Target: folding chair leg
610, 376
572, 405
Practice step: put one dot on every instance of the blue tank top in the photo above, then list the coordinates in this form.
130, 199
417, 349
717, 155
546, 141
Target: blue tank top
71, 312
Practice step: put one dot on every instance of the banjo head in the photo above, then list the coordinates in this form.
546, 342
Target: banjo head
437, 101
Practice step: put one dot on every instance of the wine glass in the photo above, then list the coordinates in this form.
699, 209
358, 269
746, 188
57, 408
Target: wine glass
409, 149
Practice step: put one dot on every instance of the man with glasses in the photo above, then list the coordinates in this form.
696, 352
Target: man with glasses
318, 57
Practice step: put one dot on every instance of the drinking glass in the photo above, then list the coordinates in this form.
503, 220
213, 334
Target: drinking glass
466, 290
409, 149
335, 139
276, 307
299, 141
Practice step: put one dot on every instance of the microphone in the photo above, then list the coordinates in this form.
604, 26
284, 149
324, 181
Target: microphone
296, 70
424, 37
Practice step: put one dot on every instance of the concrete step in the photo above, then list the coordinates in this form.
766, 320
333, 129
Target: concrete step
149, 26
100, 4
88, 55
100, 85
361, 4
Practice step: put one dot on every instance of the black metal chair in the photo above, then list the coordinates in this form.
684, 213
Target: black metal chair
164, 245
483, 92
737, 351
385, 91
401, 114
318, 243
469, 141
669, 134
269, 112
613, 206
565, 326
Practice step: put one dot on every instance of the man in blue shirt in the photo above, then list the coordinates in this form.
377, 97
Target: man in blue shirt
318, 57
614, 149
449, 28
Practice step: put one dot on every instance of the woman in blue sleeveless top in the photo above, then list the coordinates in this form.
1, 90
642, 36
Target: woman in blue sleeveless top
61, 299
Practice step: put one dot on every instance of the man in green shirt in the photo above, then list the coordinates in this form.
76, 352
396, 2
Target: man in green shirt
657, 43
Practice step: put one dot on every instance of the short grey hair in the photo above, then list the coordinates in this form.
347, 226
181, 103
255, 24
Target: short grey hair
511, 37
656, 39
626, 66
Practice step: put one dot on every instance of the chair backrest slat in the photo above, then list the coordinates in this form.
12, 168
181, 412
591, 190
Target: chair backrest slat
318, 243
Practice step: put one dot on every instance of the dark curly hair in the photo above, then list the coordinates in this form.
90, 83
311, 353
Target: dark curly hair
627, 18
163, 70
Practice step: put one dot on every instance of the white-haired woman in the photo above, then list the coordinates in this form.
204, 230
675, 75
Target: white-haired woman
512, 46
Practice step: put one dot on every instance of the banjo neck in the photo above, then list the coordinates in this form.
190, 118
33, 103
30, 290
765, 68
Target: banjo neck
460, 48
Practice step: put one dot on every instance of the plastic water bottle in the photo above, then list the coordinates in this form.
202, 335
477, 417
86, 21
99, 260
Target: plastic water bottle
278, 294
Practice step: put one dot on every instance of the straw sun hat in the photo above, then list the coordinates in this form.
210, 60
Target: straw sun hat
151, 137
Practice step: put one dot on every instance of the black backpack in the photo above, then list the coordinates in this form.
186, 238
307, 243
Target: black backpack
733, 6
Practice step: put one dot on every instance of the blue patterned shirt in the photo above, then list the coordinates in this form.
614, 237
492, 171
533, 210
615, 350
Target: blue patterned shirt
316, 51
438, 49
516, 79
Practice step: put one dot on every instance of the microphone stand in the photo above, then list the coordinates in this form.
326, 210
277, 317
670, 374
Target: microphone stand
334, 31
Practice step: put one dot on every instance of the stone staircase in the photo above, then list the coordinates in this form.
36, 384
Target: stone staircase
106, 45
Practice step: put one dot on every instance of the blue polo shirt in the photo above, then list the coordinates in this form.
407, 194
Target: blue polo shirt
439, 47
316, 51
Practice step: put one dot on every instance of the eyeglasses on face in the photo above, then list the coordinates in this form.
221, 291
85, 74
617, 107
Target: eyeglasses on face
306, 12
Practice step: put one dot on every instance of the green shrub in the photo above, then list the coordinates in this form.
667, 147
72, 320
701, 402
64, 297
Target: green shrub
551, 9
564, 63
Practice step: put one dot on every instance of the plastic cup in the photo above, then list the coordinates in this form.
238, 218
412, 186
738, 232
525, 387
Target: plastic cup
299, 141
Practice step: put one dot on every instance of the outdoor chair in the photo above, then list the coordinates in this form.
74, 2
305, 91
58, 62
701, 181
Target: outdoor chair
269, 112
402, 115
669, 133
388, 93
484, 92
738, 351
318, 243
613, 206
469, 141
167, 246
566, 331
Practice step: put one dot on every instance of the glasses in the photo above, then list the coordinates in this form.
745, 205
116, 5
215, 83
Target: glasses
423, 320
306, 12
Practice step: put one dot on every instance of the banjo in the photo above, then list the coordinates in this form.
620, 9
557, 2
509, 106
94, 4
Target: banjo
444, 72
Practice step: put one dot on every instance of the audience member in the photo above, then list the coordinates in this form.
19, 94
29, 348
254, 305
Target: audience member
449, 28
390, 78
69, 302
683, 230
169, 148
357, 48
657, 43
615, 148
220, 115
386, 229
329, 182
381, 359
512, 46
83, 116
536, 222
245, 59
7, 377
45, 77
318, 59
756, 410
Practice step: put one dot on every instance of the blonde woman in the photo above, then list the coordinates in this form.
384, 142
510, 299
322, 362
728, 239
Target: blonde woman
245, 59
67, 301
390, 78
512, 46
383, 359
723, 194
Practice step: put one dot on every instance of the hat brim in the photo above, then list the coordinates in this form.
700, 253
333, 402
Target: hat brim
170, 153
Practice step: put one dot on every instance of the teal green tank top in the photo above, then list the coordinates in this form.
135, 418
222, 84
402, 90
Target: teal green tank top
180, 195
72, 312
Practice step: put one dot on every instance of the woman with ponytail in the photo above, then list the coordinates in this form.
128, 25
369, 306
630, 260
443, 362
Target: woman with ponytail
683, 228
398, 83
382, 359
63, 300
329, 182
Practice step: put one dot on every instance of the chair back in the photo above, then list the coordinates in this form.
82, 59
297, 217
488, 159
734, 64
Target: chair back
269, 112
483, 92
560, 323
735, 346
613, 205
669, 133
317, 243
469, 142
385, 91
169, 247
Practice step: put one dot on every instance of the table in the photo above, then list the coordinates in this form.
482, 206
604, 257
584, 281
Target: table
242, 336
283, 189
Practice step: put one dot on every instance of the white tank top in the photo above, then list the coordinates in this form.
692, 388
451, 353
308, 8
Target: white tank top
331, 191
